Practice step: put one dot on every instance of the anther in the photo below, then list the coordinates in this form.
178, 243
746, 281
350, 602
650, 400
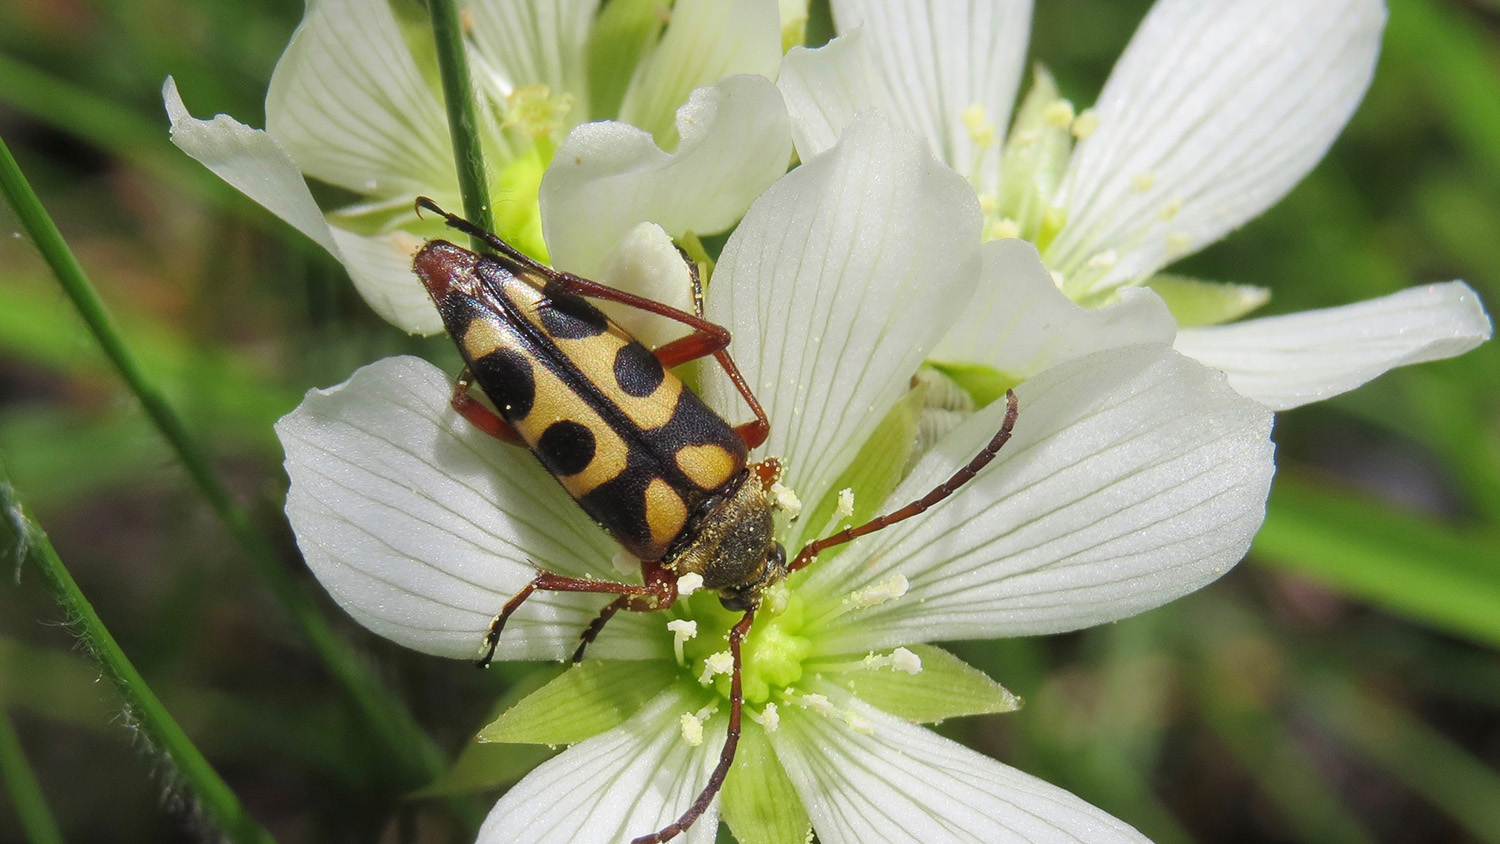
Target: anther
880, 593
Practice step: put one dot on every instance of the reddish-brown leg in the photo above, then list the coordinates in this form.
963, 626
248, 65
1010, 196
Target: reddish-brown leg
657, 593
707, 338
810, 551
480, 416
591, 632
726, 755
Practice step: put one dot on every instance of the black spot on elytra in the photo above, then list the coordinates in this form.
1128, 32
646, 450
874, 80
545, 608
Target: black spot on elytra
569, 317
692, 423
566, 448
637, 371
506, 377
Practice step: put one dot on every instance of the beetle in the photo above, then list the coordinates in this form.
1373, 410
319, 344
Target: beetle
641, 453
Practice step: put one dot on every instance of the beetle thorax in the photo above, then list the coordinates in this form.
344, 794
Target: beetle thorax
732, 545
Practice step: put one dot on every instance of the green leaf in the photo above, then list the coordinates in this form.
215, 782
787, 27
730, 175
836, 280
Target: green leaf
589, 698
1194, 302
1421, 568
623, 33
759, 803
875, 471
946, 687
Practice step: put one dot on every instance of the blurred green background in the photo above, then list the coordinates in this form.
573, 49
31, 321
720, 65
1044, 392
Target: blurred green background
1341, 686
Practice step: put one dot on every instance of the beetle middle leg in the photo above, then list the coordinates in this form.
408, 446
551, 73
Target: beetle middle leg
478, 415
657, 593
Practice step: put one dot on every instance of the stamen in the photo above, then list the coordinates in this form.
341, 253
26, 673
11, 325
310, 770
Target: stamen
682, 630
880, 593
625, 562
1058, 114
719, 663
988, 204
904, 660
816, 702
1178, 244
692, 729
1004, 228
1057, 278
845, 507
786, 500
1143, 181
1085, 124
689, 583
981, 130
535, 111
770, 717
1169, 209
858, 723
1103, 260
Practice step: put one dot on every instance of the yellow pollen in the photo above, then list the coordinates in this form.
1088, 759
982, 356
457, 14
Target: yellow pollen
692, 729
858, 723
1143, 181
786, 500
981, 130
845, 507
770, 719
719, 663
1004, 228
904, 660
1085, 124
880, 593
1178, 244
1058, 114
1169, 209
1057, 278
1103, 260
689, 583
988, 204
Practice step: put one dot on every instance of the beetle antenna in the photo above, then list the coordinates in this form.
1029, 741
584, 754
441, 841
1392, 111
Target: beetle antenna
493, 240
811, 550
731, 742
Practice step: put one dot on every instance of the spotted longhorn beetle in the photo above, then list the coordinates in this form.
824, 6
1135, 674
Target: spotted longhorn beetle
639, 451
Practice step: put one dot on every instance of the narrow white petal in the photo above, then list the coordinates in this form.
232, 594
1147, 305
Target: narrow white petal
538, 42
1020, 323
824, 88
607, 177
836, 284
1215, 110
1134, 477
706, 40
939, 57
618, 785
251, 161
380, 267
348, 101
1286, 361
421, 527
646, 263
896, 782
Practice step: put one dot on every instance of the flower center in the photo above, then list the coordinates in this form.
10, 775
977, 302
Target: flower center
773, 652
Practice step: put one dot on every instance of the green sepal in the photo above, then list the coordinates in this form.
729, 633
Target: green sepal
1195, 302
484, 767
983, 383
758, 801
946, 687
624, 32
875, 471
587, 699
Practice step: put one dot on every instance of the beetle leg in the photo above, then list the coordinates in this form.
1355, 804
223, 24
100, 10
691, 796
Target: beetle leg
591, 632
653, 595
480, 416
731, 743
810, 551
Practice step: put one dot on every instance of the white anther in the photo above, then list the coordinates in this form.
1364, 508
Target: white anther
858, 723
1178, 244
845, 507
786, 500
981, 130
1169, 209
682, 630
1058, 114
904, 660
625, 562
719, 663
1004, 228
692, 729
770, 718
1057, 278
816, 703
1143, 181
1103, 260
888, 590
689, 583
1085, 124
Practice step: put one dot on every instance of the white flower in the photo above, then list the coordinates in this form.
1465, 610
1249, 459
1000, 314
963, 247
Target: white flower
355, 104
1215, 110
1133, 477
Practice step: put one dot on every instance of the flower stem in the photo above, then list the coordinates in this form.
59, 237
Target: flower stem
463, 123
31, 806
144, 711
385, 716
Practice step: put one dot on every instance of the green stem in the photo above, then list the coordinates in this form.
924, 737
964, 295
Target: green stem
418, 758
458, 91
31, 806
142, 707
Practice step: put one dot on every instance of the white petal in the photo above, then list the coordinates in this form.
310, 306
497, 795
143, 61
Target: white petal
251, 161
1134, 477
628, 782
421, 527
349, 103
1217, 109
706, 40
646, 263
538, 42
824, 88
380, 267
895, 782
1286, 361
937, 58
1020, 323
836, 284
607, 177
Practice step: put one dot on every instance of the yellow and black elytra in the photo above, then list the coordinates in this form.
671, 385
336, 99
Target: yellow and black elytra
639, 451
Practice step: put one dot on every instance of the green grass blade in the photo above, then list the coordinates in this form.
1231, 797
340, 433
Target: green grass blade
20, 783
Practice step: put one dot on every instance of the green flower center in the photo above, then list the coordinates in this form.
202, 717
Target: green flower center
773, 652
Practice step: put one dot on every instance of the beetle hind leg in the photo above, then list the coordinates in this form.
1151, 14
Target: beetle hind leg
655, 594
